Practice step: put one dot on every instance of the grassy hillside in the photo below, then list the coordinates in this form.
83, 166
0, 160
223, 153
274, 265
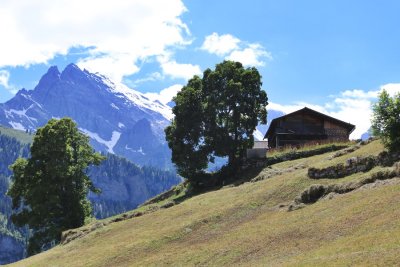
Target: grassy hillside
250, 224
21, 136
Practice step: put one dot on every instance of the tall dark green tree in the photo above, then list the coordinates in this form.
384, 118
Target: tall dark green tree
216, 116
234, 104
49, 189
185, 135
386, 120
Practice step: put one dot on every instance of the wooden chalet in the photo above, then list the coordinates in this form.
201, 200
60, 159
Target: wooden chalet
306, 126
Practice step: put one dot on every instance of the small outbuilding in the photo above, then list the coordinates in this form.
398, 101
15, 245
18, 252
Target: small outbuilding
259, 150
306, 126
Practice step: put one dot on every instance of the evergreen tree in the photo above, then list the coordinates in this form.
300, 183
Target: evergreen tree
216, 116
49, 189
386, 120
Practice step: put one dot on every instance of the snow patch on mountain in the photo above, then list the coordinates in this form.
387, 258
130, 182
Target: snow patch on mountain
136, 97
258, 135
114, 106
17, 125
109, 144
140, 150
20, 113
31, 99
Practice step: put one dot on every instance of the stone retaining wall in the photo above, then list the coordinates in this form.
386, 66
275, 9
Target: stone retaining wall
353, 165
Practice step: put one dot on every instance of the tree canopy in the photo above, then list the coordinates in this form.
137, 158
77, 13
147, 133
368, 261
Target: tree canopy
216, 115
49, 189
386, 120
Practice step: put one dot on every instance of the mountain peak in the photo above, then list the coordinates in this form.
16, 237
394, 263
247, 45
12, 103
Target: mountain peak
71, 66
72, 72
53, 70
52, 75
22, 91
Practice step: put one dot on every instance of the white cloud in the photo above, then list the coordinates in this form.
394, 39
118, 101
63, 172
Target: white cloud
121, 66
177, 70
360, 93
353, 106
165, 95
232, 48
149, 78
251, 55
357, 111
119, 33
5, 81
295, 106
391, 88
220, 44
284, 108
4, 77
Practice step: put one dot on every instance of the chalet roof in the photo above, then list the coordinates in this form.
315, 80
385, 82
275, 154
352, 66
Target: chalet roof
350, 127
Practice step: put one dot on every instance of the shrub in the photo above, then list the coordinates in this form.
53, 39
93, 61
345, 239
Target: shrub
386, 122
312, 194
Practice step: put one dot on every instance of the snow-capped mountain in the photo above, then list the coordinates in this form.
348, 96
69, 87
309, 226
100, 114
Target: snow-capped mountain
118, 120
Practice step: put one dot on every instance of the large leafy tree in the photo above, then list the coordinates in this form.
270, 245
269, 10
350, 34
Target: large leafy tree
386, 120
235, 103
216, 116
185, 135
49, 189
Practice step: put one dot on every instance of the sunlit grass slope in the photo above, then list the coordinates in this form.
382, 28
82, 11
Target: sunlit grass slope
249, 225
21, 136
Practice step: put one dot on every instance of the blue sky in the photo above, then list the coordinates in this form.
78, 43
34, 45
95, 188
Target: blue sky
334, 56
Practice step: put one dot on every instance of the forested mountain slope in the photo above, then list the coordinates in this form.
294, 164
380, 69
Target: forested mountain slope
13, 144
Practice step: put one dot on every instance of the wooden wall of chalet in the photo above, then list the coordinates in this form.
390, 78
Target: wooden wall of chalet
303, 123
335, 132
308, 128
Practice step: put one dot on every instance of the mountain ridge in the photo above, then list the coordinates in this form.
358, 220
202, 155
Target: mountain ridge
105, 111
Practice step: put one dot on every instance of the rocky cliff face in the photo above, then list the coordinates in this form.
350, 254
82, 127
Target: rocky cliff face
117, 119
